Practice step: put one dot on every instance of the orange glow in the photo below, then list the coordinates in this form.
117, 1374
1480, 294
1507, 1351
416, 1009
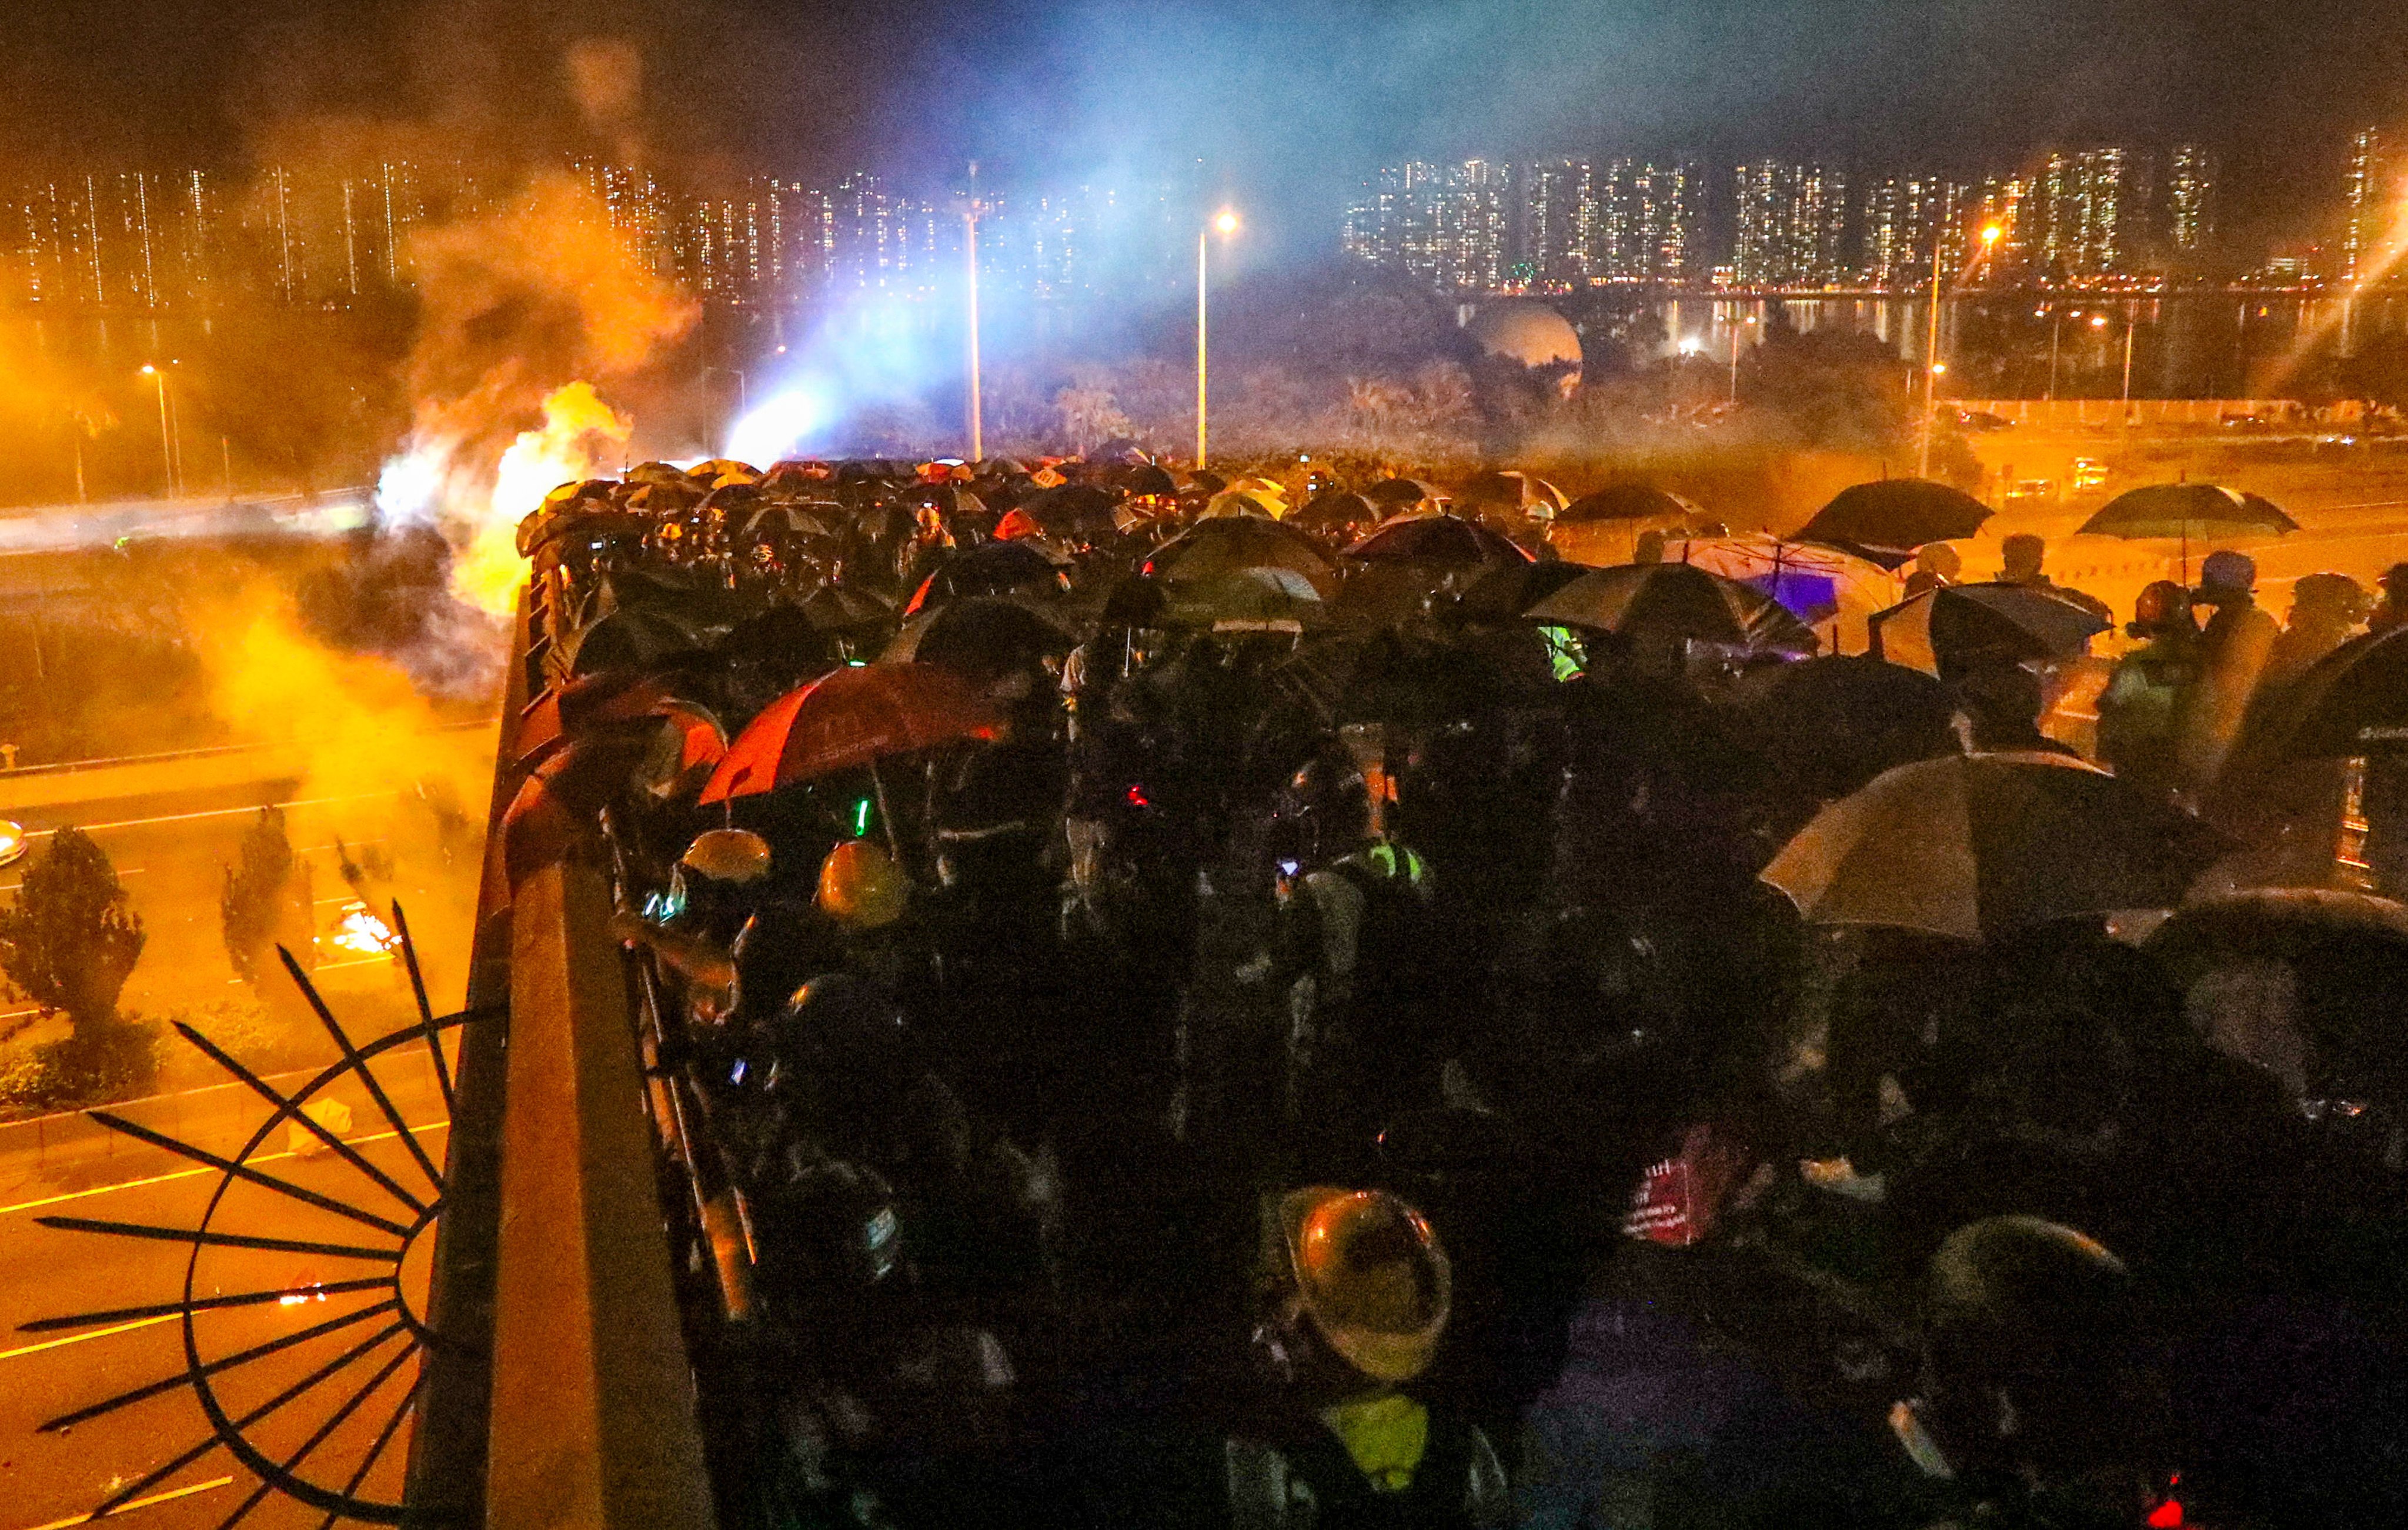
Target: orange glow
363, 933
1991, 233
580, 437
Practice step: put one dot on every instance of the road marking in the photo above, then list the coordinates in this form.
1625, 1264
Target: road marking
218, 812
188, 1173
123, 871
132, 1504
89, 1333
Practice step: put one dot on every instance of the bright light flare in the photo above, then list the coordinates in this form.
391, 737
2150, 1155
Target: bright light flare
1991, 233
580, 437
776, 427
1225, 221
1691, 345
362, 933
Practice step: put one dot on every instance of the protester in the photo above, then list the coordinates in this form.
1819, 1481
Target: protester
2022, 555
1186, 1048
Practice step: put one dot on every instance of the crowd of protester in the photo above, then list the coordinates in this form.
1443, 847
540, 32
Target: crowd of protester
1314, 1015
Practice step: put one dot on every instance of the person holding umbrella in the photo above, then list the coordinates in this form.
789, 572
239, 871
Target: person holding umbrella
2141, 711
2234, 646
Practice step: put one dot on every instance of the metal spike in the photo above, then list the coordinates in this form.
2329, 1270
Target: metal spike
221, 1240
243, 1171
384, 1438
236, 1426
359, 1064
240, 1358
425, 1010
198, 1304
284, 1475
286, 1108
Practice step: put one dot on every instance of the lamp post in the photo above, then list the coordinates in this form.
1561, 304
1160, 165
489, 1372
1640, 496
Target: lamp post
1735, 330
166, 438
2055, 330
1225, 223
977, 407
2131, 323
1932, 365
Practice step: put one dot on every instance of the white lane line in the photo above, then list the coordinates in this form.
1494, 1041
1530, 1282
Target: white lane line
123, 871
89, 1333
132, 1504
218, 812
188, 1173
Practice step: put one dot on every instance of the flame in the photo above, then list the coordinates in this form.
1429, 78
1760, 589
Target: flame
580, 437
363, 932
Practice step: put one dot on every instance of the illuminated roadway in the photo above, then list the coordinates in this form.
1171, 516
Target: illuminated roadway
171, 848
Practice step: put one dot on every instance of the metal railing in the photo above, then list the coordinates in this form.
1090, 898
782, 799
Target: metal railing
562, 1394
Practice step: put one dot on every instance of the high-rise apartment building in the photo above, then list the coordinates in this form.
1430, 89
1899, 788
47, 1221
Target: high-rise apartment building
1561, 224
1789, 223
2189, 213
2377, 194
2091, 202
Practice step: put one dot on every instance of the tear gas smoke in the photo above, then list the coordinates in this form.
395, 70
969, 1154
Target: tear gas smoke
526, 313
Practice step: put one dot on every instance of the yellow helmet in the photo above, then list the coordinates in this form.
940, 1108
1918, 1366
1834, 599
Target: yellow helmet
860, 885
728, 855
1372, 1275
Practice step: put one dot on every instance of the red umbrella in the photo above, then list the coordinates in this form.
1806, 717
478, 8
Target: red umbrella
852, 717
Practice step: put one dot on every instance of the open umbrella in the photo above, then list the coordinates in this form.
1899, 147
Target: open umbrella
1959, 622
1816, 583
999, 568
1210, 548
842, 608
1831, 725
1074, 509
2196, 512
1505, 592
1245, 596
1675, 600
1899, 514
1973, 845
981, 638
849, 718
1230, 502
1400, 493
655, 472
1445, 542
632, 639
1149, 481
1334, 510
1628, 502
1513, 490
2351, 703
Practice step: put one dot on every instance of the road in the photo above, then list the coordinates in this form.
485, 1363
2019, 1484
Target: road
171, 846
44, 1272
172, 849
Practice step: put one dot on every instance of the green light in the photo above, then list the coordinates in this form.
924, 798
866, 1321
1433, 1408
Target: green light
861, 819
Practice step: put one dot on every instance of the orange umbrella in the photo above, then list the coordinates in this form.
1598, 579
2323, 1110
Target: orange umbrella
852, 717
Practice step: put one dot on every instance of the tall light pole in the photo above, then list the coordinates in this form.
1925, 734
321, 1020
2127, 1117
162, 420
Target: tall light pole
2131, 323
1225, 223
1932, 366
1735, 330
978, 407
167, 441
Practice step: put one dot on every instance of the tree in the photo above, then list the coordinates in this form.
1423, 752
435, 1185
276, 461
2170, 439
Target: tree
69, 943
266, 903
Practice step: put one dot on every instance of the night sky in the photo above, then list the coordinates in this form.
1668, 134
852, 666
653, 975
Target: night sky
1284, 99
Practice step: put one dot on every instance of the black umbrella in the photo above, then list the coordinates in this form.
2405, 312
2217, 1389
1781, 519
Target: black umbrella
1444, 541
842, 608
2352, 702
1674, 600
1896, 513
999, 568
1628, 502
1404, 491
1149, 480
1333, 510
981, 638
1832, 724
2195, 512
631, 639
1505, 592
1214, 548
1071, 510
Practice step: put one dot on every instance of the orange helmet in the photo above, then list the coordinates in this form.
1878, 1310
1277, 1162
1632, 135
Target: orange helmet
1372, 1277
860, 885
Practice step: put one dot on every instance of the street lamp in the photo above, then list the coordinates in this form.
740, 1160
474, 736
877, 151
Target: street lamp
166, 436
1932, 365
1224, 224
1734, 355
971, 208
